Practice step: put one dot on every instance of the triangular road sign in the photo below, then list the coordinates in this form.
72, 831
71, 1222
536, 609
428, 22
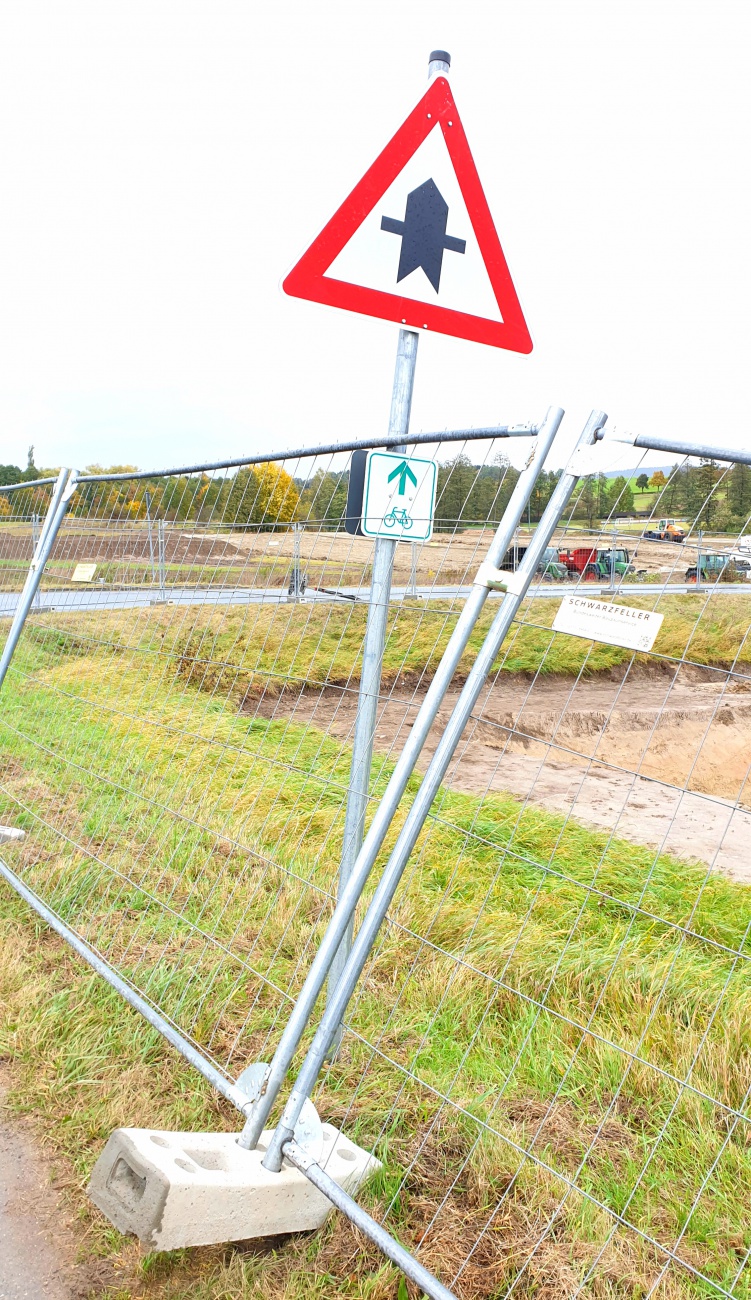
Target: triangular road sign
429, 241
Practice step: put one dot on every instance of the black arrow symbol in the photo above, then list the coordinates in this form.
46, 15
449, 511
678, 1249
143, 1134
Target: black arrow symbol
423, 232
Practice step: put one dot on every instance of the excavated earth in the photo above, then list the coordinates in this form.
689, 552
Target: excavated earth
659, 757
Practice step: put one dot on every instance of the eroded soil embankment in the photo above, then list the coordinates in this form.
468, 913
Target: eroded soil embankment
661, 758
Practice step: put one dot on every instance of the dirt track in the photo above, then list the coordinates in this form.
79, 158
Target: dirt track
657, 758
34, 1261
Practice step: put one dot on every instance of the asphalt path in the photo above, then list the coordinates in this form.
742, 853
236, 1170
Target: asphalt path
140, 598
32, 1264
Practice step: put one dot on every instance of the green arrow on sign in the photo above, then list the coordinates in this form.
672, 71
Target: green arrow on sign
402, 472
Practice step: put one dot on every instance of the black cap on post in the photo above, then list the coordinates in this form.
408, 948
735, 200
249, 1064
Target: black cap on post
440, 56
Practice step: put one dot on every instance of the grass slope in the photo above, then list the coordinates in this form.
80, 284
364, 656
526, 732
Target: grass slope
241, 650
595, 976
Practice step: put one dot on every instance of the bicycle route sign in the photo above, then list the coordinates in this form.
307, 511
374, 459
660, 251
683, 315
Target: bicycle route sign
399, 497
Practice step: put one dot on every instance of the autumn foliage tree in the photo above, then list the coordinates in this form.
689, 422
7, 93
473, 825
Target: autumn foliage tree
265, 495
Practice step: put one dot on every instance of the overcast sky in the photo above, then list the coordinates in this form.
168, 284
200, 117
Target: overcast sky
165, 162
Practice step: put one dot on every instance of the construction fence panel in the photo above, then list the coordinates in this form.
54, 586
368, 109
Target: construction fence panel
187, 718
550, 1047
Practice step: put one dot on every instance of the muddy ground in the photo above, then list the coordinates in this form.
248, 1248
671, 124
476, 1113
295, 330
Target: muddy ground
658, 757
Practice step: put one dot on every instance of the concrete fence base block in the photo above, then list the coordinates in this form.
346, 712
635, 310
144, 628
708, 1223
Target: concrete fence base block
11, 835
199, 1189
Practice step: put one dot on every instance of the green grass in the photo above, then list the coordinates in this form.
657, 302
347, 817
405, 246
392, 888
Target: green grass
245, 650
117, 759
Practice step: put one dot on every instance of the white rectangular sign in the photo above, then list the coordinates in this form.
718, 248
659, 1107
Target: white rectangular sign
399, 497
83, 573
597, 620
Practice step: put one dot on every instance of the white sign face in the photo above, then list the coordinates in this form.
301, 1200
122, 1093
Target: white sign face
399, 497
596, 620
372, 256
83, 573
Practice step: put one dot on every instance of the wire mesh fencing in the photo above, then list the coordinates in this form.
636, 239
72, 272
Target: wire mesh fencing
185, 813
549, 1049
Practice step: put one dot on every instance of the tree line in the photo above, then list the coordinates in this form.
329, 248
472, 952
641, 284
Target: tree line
265, 495
709, 494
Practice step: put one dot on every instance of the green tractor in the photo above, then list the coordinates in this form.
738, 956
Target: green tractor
550, 566
597, 565
720, 568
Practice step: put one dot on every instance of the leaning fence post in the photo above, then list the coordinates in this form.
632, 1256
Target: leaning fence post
276, 1072
63, 491
372, 660
516, 590
36, 522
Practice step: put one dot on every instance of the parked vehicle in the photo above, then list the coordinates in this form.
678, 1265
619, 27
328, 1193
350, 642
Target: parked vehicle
550, 565
513, 558
715, 564
596, 564
666, 530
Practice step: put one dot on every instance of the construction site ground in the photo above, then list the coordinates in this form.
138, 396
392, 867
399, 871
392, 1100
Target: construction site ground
656, 756
125, 555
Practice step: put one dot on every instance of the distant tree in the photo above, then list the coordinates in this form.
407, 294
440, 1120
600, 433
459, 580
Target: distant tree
241, 499
456, 479
738, 497
602, 489
642, 482
323, 498
586, 502
672, 495
278, 496
620, 496
265, 495
10, 474
721, 519
658, 479
700, 495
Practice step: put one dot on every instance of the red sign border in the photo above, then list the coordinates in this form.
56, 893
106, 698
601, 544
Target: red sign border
308, 278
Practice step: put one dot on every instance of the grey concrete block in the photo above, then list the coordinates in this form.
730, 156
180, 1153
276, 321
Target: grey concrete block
198, 1189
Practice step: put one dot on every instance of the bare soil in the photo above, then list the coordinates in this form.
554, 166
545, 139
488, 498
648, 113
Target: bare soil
330, 558
662, 758
37, 1247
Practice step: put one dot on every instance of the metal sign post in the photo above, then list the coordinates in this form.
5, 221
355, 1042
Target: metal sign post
372, 662
340, 924
392, 872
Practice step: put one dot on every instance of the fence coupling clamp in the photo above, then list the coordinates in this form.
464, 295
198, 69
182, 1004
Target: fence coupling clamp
491, 577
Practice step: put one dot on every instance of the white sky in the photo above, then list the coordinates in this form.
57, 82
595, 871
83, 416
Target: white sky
165, 162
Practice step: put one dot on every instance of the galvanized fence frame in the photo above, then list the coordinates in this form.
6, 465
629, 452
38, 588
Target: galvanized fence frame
517, 585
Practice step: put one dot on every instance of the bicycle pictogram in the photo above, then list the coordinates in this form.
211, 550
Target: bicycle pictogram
396, 516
